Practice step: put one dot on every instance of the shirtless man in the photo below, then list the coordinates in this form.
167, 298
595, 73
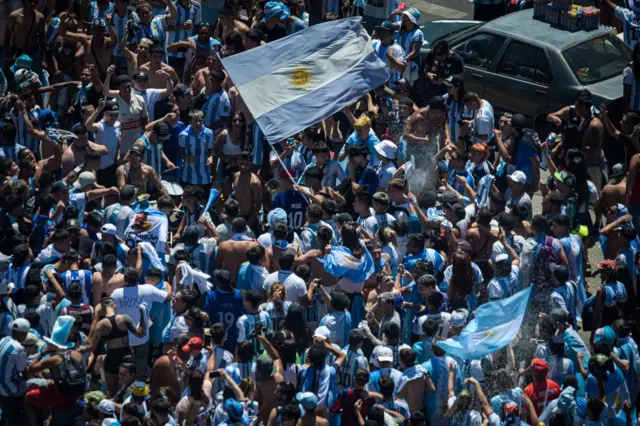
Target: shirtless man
95, 49
76, 153
267, 395
233, 252
482, 238
155, 64
52, 360
228, 24
114, 330
138, 174
108, 280
613, 192
248, 189
25, 33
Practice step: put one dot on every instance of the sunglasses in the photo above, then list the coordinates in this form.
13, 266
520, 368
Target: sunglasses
237, 120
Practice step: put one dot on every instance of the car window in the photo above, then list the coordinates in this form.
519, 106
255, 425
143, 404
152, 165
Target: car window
525, 62
598, 59
479, 50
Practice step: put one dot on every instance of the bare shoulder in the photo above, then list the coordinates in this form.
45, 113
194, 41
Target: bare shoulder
255, 179
167, 68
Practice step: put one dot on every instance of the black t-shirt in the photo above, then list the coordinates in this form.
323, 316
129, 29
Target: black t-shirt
273, 34
453, 65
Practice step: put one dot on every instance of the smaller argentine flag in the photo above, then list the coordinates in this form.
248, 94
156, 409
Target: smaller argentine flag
495, 325
296, 81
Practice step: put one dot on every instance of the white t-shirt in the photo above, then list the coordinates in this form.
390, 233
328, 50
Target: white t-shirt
108, 137
293, 284
150, 96
128, 300
129, 118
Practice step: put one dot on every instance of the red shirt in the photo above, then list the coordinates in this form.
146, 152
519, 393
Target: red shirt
538, 393
344, 405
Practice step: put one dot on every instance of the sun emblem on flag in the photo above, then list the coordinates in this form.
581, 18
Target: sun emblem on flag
489, 333
301, 77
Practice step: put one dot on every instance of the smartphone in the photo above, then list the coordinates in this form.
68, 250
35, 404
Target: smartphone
79, 168
319, 281
257, 331
214, 375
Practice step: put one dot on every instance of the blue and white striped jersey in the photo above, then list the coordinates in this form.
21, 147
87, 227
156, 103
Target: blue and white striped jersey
196, 146
95, 12
192, 13
152, 154
84, 277
17, 275
375, 376
247, 324
215, 107
241, 370
222, 359
120, 216
52, 29
23, 137
355, 361
13, 360
121, 29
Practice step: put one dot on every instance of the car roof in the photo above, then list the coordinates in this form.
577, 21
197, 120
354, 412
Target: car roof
522, 25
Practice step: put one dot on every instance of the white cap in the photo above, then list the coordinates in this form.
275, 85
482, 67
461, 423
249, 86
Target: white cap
107, 407
502, 257
518, 176
385, 354
387, 149
459, 317
21, 325
85, 179
322, 332
109, 229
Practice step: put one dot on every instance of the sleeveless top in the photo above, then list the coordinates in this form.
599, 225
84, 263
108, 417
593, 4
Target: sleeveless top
115, 332
231, 148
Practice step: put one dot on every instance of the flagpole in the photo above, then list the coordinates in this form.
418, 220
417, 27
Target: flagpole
295, 184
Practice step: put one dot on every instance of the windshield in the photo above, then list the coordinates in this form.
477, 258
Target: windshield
598, 59
438, 29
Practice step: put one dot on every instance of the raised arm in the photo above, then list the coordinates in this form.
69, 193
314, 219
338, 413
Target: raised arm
90, 123
107, 82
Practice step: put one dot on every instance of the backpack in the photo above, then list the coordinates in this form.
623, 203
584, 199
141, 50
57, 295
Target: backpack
541, 277
72, 376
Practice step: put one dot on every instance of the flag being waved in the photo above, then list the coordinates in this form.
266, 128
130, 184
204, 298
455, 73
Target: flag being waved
296, 81
495, 325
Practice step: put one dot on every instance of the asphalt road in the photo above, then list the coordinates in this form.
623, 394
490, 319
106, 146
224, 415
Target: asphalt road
442, 9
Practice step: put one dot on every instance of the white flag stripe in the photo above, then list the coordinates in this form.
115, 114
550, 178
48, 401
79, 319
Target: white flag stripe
268, 92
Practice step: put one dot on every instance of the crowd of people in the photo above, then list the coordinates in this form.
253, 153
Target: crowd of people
162, 264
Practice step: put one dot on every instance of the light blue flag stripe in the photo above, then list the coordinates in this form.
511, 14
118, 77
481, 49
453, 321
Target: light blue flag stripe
301, 79
495, 325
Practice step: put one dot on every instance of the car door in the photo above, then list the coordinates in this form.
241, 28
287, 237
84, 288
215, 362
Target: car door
522, 81
478, 53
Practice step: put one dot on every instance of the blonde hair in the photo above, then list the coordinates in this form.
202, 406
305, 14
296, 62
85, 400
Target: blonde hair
362, 121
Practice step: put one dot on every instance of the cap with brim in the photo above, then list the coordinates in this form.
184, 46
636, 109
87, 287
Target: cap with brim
109, 229
308, 400
387, 25
111, 107
137, 149
616, 171
85, 179
60, 186
272, 10
413, 15
385, 354
21, 325
23, 61
322, 332
141, 76
98, 23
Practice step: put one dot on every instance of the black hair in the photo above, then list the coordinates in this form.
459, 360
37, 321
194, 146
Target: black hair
253, 297
245, 351
255, 254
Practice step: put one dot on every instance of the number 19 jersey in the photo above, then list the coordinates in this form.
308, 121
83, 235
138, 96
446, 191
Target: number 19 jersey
225, 307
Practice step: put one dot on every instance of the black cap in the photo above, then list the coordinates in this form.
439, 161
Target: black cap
343, 218
518, 121
453, 81
162, 130
438, 102
141, 76
137, 148
181, 89
584, 97
60, 186
111, 106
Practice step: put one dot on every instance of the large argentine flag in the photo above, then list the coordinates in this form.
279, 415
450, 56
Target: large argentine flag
301, 79
495, 325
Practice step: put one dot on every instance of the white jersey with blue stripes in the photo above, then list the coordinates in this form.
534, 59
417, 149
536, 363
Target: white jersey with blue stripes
183, 14
196, 148
13, 360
